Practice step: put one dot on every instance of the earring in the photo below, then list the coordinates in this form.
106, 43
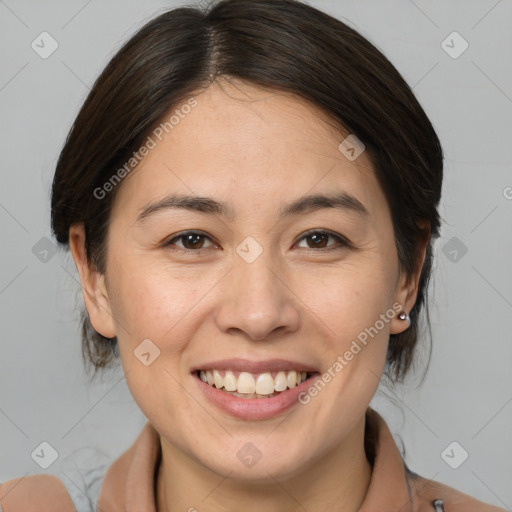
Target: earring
404, 316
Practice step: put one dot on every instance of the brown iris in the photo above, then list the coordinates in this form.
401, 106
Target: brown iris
193, 241
319, 239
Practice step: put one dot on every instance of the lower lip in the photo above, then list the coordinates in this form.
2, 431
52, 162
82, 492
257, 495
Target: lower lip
254, 408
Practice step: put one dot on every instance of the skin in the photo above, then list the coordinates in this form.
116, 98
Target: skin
255, 149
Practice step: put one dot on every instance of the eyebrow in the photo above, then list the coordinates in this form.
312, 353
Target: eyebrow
306, 204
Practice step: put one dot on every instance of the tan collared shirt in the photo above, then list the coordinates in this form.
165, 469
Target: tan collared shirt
129, 483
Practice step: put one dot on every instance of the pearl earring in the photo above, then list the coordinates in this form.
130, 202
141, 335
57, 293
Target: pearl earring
404, 316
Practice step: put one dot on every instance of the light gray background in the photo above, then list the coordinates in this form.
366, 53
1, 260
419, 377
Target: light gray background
467, 395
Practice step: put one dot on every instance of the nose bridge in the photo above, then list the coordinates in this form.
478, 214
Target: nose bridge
254, 277
257, 302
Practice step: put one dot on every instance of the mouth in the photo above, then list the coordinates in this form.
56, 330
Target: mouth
249, 390
249, 385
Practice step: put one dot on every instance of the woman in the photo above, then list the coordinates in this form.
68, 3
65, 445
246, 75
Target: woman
250, 196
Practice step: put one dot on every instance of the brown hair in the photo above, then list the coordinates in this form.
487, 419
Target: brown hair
282, 44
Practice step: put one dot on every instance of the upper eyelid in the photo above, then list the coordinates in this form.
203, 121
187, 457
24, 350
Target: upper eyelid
342, 239
323, 231
185, 233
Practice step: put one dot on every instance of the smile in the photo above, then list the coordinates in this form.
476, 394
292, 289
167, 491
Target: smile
250, 389
253, 385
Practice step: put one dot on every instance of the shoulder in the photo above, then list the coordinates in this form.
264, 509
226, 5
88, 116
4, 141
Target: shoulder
35, 493
427, 491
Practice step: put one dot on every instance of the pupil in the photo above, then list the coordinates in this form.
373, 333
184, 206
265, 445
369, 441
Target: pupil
317, 239
193, 239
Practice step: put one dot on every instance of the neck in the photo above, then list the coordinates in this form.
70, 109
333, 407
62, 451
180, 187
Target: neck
337, 481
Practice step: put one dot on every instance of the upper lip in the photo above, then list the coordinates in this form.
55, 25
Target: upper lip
247, 365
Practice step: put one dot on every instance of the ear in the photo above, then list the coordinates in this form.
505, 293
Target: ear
407, 287
94, 289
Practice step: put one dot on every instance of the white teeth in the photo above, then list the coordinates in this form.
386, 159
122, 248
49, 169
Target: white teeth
281, 382
230, 381
217, 378
264, 384
248, 386
246, 383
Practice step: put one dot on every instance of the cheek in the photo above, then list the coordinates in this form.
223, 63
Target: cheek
151, 304
151, 300
347, 299
147, 303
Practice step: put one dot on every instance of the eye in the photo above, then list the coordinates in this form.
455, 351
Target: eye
319, 240
190, 240
194, 240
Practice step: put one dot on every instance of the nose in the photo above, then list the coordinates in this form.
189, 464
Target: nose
257, 300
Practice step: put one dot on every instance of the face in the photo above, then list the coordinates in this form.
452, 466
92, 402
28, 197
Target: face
256, 280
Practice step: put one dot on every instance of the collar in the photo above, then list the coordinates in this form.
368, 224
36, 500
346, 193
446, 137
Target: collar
129, 483
389, 488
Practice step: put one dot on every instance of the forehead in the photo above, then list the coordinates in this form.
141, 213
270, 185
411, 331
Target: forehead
247, 144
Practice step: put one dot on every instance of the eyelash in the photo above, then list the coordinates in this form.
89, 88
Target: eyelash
342, 242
